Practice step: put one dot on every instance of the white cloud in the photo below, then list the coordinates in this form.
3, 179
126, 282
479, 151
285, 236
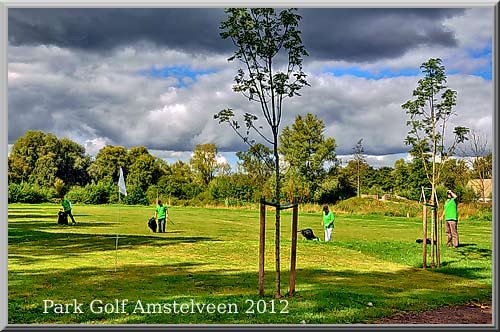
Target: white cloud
99, 99
93, 146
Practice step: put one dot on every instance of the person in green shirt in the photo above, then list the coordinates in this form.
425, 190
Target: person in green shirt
161, 213
450, 215
327, 223
67, 207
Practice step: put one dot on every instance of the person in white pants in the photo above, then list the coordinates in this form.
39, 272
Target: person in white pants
327, 223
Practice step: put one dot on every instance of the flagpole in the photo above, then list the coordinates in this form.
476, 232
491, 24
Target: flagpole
116, 242
123, 190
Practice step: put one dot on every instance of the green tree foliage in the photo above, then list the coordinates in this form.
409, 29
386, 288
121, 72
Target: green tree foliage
359, 159
308, 153
204, 162
95, 193
107, 163
352, 169
136, 152
378, 181
257, 163
179, 182
73, 164
454, 173
29, 193
39, 158
400, 175
429, 113
45, 170
262, 36
233, 189
144, 172
59, 187
26, 151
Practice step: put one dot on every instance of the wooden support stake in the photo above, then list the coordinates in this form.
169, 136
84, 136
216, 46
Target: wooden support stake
424, 242
293, 258
262, 242
433, 239
438, 244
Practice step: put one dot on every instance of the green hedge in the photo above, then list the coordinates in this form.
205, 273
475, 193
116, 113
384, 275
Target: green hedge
30, 193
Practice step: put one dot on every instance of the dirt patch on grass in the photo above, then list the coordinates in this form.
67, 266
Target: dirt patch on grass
473, 313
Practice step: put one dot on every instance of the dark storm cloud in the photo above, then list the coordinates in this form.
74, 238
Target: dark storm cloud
371, 34
329, 34
104, 29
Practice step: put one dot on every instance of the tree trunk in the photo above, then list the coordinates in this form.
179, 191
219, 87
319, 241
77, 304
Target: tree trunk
278, 217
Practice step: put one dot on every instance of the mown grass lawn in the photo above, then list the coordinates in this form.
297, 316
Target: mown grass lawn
210, 256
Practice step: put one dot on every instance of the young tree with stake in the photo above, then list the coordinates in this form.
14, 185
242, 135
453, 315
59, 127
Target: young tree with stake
269, 47
429, 113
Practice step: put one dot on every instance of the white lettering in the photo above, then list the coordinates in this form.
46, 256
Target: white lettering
210, 308
45, 307
137, 306
186, 307
97, 310
223, 310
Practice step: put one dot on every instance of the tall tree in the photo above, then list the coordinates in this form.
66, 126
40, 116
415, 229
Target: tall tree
178, 181
143, 172
307, 151
352, 169
27, 150
429, 113
270, 49
44, 173
73, 163
40, 157
204, 162
107, 163
454, 173
359, 159
257, 162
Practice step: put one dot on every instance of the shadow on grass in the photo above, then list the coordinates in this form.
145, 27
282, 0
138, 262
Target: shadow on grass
28, 225
40, 216
323, 296
65, 244
468, 249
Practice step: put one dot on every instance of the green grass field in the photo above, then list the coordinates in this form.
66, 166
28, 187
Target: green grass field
210, 256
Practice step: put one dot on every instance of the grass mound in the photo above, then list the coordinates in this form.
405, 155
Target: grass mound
371, 206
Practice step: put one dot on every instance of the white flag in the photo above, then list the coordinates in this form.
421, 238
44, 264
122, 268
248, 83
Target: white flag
121, 184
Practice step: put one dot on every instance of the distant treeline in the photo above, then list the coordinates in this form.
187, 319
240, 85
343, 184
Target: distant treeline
41, 167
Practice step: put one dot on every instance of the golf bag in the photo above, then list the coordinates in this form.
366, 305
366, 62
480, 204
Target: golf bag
309, 234
62, 218
152, 224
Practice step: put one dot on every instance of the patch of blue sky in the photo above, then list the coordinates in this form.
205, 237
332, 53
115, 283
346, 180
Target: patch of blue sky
483, 71
484, 52
184, 75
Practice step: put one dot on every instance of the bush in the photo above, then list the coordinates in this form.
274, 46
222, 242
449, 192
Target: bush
99, 193
136, 195
77, 194
28, 193
465, 194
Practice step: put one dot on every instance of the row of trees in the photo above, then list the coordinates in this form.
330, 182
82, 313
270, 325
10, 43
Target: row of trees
42, 167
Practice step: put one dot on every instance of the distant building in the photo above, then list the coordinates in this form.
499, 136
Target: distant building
477, 186
369, 196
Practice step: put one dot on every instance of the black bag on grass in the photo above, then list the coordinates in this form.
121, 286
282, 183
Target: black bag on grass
308, 234
152, 224
62, 218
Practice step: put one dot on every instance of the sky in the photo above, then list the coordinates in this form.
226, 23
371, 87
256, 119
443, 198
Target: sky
155, 77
